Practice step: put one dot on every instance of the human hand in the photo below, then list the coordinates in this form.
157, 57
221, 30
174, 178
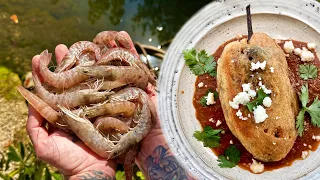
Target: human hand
68, 154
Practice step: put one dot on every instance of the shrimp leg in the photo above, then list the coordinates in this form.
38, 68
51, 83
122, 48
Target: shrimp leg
125, 55
65, 79
124, 108
107, 124
75, 51
85, 130
69, 99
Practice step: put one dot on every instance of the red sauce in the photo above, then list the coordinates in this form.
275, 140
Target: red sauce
208, 116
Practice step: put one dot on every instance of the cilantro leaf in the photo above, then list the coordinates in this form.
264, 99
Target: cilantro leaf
230, 158
199, 62
313, 110
203, 99
299, 122
308, 71
210, 137
258, 101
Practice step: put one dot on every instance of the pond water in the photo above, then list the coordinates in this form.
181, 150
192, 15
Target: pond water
27, 27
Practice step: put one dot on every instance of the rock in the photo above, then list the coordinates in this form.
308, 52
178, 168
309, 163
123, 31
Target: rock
13, 107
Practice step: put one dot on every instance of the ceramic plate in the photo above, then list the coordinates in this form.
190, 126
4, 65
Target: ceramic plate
209, 28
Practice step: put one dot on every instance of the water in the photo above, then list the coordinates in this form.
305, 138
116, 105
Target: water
43, 24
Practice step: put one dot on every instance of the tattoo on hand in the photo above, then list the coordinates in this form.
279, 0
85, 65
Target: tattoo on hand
95, 175
162, 165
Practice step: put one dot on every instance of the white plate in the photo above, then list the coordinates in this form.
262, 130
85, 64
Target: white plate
209, 28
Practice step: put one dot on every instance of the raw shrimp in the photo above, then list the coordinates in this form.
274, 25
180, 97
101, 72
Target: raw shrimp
107, 124
75, 52
125, 55
104, 38
65, 79
52, 116
69, 99
109, 85
124, 108
123, 74
129, 161
85, 130
142, 128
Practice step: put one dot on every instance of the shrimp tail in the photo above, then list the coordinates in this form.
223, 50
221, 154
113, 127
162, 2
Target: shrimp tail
43, 108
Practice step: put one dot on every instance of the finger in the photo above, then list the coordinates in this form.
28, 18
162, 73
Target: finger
37, 133
132, 48
60, 51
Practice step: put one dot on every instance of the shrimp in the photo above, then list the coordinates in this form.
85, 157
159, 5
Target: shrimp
52, 116
85, 130
109, 85
124, 108
65, 79
107, 124
125, 55
69, 99
123, 74
142, 128
75, 52
129, 161
104, 38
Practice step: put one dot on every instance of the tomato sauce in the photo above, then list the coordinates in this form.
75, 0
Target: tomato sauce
209, 115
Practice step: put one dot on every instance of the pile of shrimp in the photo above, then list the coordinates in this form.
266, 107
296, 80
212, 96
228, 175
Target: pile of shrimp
97, 93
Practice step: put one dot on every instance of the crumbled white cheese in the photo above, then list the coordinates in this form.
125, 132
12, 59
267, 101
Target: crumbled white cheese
304, 154
255, 66
256, 167
272, 69
259, 78
317, 138
267, 102
239, 113
249, 115
246, 87
252, 93
297, 51
305, 145
274, 143
211, 120
218, 123
241, 98
263, 87
200, 85
260, 114
311, 46
307, 56
232, 61
288, 47
231, 142
210, 99
277, 117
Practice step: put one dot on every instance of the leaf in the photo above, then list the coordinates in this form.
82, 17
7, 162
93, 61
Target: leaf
299, 122
314, 111
258, 101
57, 176
308, 71
230, 158
13, 155
4, 177
199, 62
304, 95
203, 101
210, 137
120, 175
22, 150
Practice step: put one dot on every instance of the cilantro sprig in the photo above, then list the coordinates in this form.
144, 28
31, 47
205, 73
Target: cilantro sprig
210, 137
313, 110
308, 71
258, 101
230, 158
199, 62
203, 99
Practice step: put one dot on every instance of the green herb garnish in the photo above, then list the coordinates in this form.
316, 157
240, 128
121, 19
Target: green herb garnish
313, 110
230, 158
308, 71
203, 99
258, 101
210, 137
199, 62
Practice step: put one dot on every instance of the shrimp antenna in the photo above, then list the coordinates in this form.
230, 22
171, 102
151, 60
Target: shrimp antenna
249, 23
